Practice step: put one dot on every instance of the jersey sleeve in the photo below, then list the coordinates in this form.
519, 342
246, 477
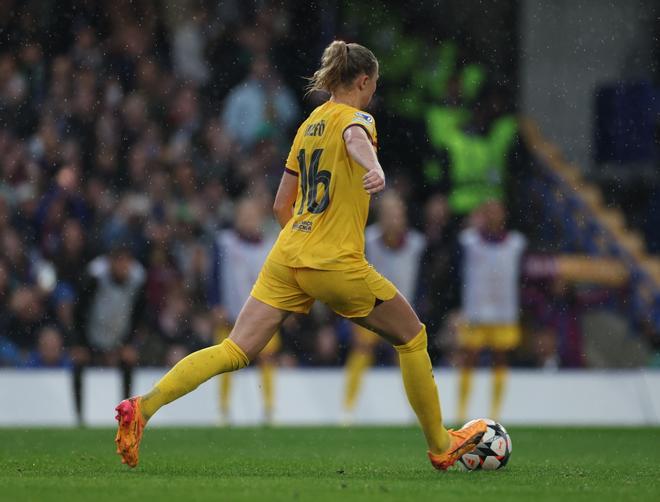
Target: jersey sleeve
291, 165
363, 120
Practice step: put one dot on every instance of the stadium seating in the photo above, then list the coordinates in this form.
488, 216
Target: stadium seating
588, 226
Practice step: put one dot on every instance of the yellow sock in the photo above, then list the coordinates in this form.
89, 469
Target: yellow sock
422, 393
499, 381
192, 371
268, 387
225, 393
356, 365
464, 390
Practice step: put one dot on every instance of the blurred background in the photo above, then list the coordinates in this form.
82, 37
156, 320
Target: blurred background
132, 132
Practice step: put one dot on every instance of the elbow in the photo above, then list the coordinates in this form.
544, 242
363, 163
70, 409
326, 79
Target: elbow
280, 211
277, 207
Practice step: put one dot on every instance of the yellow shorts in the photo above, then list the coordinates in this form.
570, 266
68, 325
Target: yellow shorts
350, 293
489, 336
272, 347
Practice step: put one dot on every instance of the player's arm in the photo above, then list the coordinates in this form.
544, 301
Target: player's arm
359, 147
286, 197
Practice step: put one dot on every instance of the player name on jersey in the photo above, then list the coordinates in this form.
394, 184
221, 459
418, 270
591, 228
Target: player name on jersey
315, 129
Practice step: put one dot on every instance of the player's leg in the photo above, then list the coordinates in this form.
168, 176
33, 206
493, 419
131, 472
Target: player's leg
274, 296
471, 339
254, 327
77, 382
396, 321
359, 359
367, 298
267, 361
81, 356
469, 359
267, 371
225, 380
128, 360
500, 370
224, 391
504, 339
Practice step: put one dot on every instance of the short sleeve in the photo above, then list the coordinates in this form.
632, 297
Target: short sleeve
291, 165
363, 120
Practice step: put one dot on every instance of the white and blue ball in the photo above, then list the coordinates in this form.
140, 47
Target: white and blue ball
493, 451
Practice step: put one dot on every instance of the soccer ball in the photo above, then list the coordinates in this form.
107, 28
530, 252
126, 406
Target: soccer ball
492, 453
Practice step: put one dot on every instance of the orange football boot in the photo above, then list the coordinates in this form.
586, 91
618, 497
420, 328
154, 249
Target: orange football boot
129, 432
461, 442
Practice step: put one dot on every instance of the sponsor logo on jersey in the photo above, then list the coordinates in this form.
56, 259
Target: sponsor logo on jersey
364, 117
303, 226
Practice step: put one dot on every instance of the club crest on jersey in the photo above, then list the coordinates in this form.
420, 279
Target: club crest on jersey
364, 117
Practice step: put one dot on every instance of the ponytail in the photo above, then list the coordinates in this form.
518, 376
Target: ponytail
340, 64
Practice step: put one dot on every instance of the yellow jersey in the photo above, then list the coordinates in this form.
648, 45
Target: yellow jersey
331, 209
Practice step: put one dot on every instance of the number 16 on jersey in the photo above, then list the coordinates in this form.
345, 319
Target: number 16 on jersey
310, 179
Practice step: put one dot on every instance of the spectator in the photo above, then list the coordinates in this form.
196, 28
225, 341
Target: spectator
27, 315
9, 353
5, 293
13, 92
109, 312
50, 352
437, 294
261, 103
559, 307
477, 153
188, 42
71, 251
175, 325
62, 200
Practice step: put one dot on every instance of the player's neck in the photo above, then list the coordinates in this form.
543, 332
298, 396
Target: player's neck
346, 98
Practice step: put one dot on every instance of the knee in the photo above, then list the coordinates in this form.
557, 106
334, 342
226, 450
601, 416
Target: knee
238, 356
414, 344
409, 332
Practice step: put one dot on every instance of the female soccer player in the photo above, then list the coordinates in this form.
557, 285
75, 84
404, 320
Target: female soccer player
322, 205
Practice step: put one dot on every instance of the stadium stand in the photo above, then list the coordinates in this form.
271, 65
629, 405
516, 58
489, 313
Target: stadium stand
587, 226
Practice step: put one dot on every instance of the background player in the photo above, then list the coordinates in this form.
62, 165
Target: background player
239, 254
395, 250
322, 204
490, 269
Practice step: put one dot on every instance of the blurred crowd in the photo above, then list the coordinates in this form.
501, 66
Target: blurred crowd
129, 131
120, 149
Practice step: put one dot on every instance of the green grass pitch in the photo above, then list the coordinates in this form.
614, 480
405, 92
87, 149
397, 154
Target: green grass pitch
320, 464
